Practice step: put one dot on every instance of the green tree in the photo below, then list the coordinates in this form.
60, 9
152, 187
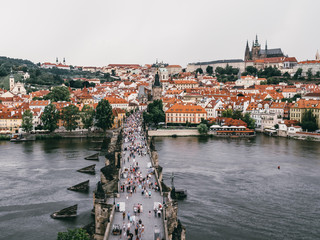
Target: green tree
249, 120
158, 116
286, 75
309, 74
199, 70
50, 117
227, 113
298, 73
87, 116
58, 94
209, 70
70, 115
219, 70
251, 70
155, 113
203, 128
27, 121
104, 117
75, 234
309, 121
237, 114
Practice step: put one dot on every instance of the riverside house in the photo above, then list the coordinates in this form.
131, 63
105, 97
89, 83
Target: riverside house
180, 113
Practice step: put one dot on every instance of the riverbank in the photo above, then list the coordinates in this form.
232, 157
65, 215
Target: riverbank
63, 134
304, 136
193, 133
173, 133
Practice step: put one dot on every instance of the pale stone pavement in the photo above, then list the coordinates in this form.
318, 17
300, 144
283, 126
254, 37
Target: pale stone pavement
150, 222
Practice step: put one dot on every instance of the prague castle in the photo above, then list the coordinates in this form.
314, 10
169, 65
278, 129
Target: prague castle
257, 53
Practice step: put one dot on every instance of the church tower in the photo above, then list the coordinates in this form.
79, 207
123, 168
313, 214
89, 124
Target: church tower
11, 81
256, 49
266, 50
247, 55
317, 56
156, 88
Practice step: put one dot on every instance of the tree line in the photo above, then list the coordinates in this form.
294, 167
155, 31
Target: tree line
101, 117
272, 74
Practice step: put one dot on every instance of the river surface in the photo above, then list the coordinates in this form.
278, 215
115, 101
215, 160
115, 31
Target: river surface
236, 191
34, 177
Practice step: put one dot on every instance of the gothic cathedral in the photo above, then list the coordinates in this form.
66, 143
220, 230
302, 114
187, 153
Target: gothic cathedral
257, 53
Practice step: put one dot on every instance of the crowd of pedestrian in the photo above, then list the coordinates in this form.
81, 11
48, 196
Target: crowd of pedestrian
134, 181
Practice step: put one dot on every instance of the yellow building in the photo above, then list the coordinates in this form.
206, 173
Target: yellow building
119, 116
180, 113
10, 123
299, 108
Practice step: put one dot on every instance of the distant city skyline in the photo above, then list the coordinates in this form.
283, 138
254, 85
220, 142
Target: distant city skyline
99, 33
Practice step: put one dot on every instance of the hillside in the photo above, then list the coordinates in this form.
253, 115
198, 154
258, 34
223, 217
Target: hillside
42, 78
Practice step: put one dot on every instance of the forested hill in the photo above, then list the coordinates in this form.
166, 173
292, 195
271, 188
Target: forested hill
6, 64
43, 78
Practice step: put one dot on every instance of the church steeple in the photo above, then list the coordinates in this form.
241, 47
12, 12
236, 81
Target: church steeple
256, 42
247, 52
317, 56
266, 48
156, 80
11, 81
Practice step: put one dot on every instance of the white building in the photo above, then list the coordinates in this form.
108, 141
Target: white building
235, 63
16, 88
247, 81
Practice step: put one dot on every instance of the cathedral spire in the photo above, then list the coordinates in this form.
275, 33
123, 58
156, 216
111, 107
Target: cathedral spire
257, 43
247, 52
317, 56
266, 45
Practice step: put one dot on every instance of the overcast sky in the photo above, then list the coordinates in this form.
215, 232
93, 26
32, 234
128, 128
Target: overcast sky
100, 32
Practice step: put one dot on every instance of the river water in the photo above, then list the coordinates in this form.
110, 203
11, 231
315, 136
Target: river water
34, 177
236, 191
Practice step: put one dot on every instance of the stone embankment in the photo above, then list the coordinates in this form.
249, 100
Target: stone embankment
305, 136
173, 132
